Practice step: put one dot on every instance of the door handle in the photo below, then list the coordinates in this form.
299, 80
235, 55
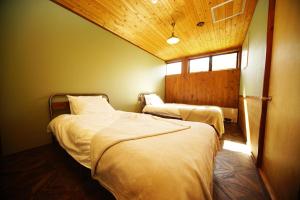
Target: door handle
269, 98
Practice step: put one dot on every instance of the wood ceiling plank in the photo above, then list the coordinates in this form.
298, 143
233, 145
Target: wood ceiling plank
148, 25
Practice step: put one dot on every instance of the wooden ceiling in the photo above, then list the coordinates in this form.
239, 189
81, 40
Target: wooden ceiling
148, 25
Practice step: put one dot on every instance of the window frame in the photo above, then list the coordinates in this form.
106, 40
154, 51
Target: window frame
221, 54
171, 62
185, 61
238, 52
194, 58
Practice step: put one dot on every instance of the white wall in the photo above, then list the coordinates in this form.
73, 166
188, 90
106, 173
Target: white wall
253, 75
46, 49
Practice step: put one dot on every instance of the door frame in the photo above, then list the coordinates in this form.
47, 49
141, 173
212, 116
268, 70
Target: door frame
265, 93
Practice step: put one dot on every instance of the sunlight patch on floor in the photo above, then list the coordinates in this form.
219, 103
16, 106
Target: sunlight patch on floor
237, 147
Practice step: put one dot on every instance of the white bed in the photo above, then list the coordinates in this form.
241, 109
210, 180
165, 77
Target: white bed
139, 156
211, 115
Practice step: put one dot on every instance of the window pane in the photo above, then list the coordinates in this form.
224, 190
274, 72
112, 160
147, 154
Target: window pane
199, 65
174, 68
226, 61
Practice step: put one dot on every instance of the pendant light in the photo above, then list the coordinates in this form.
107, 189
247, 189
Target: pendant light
154, 1
173, 39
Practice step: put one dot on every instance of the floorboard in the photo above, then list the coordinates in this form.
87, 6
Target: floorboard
235, 175
47, 172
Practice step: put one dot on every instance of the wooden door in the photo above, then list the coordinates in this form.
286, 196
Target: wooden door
280, 153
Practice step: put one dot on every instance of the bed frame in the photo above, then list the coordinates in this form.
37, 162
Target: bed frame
59, 104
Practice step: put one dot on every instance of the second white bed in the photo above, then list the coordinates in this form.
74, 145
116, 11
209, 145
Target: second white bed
211, 115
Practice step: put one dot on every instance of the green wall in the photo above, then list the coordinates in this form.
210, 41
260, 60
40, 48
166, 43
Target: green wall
46, 49
252, 75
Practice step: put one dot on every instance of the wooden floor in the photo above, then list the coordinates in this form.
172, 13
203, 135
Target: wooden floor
235, 175
48, 173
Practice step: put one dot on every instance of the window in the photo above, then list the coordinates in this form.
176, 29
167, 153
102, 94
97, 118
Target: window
174, 68
225, 61
214, 62
199, 65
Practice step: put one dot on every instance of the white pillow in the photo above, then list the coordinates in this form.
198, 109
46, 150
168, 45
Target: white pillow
89, 105
153, 99
147, 99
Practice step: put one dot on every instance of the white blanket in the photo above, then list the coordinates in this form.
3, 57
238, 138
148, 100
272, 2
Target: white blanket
211, 115
137, 156
75, 132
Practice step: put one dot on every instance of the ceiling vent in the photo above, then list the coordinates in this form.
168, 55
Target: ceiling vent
220, 12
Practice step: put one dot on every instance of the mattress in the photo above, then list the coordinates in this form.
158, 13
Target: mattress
139, 156
211, 115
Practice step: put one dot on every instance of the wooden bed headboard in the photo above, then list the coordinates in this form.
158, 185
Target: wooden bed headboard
59, 104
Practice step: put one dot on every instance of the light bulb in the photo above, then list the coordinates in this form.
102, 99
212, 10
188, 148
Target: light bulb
173, 40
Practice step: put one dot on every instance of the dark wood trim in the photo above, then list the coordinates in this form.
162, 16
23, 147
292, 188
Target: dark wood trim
60, 4
212, 53
239, 60
185, 67
165, 87
175, 74
262, 128
210, 63
173, 61
238, 67
267, 186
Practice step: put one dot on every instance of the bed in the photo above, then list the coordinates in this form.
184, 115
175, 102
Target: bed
138, 156
212, 115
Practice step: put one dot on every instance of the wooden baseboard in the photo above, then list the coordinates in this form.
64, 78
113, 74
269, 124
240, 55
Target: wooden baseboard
267, 185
